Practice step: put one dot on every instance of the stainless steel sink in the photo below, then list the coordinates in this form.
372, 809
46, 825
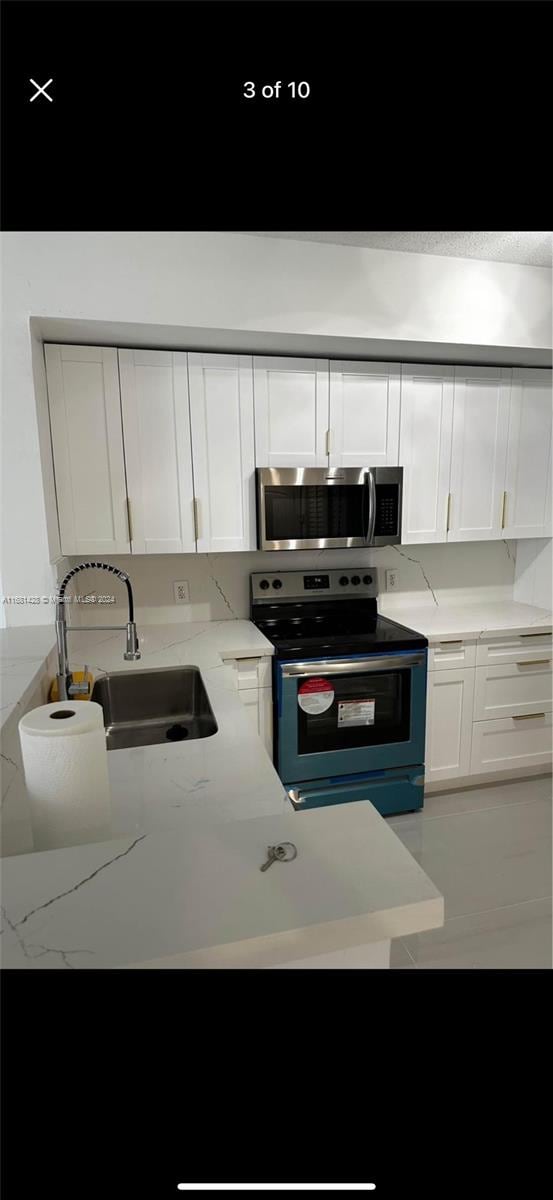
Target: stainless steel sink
160, 705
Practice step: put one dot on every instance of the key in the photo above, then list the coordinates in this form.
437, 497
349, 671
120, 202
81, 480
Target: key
283, 853
273, 856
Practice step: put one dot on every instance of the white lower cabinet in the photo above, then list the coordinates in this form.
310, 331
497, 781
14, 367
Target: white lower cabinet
448, 724
253, 683
493, 715
512, 743
259, 706
512, 690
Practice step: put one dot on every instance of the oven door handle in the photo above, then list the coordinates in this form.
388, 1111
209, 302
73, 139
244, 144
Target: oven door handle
371, 487
353, 666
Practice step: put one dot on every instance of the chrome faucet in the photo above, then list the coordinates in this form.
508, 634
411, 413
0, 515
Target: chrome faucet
66, 684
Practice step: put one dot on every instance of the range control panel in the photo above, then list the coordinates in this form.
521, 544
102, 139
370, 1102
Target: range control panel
312, 585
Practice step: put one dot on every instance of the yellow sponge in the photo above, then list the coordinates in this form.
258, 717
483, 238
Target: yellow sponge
78, 677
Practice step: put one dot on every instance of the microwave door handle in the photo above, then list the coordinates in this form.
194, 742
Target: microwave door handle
369, 536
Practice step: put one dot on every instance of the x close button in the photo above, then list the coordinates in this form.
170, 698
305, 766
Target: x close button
41, 90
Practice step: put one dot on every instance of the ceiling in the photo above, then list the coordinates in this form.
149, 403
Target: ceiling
530, 247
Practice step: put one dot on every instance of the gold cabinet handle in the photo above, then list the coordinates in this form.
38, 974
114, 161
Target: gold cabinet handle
452, 642
196, 511
539, 635
129, 519
533, 662
528, 716
328, 440
448, 512
503, 503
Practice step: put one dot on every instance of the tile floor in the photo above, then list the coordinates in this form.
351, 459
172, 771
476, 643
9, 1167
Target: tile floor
488, 850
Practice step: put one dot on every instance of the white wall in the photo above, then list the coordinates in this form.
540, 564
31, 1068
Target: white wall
533, 577
235, 282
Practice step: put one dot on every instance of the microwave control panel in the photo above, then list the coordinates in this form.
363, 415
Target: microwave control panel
387, 510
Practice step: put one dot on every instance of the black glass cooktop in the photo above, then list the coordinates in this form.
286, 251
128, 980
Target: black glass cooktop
337, 634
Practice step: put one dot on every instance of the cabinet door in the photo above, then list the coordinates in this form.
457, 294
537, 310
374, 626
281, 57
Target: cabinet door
364, 414
156, 423
425, 451
221, 413
448, 724
266, 719
87, 444
478, 453
527, 507
259, 706
291, 412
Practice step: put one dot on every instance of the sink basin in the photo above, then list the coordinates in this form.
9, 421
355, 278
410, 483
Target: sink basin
160, 705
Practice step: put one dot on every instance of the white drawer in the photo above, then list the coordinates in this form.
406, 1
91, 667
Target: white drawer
512, 689
527, 647
511, 743
448, 654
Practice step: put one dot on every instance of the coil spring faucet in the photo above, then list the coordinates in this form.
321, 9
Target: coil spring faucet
66, 685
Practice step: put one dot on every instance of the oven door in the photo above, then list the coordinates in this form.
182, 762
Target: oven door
314, 507
340, 716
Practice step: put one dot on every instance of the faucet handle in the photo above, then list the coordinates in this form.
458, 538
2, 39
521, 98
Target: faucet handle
132, 653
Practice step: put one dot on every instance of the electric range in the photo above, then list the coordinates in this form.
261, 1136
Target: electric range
349, 690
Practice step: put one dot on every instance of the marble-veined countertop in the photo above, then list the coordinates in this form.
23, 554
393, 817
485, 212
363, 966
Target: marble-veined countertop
180, 880
468, 620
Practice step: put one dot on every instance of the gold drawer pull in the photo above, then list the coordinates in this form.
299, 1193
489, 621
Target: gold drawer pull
528, 716
532, 662
540, 635
452, 642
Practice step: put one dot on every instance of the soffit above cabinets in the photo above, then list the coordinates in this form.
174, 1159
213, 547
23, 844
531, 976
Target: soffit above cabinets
529, 247
243, 341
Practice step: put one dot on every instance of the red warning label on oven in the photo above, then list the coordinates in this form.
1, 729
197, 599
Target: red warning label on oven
315, 695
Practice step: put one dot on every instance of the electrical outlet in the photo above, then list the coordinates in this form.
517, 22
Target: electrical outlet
181, 593
392, 580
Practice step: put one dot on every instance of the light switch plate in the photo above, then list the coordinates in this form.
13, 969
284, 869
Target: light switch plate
180, 591
392, 580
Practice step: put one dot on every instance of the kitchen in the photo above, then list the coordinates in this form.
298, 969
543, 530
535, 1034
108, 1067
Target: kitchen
332, 524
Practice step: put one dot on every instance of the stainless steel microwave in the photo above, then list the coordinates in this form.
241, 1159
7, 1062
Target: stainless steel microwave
312, 508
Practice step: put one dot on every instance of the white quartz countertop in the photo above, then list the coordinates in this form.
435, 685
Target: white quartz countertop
468, 620
199, 899
227, 776
180, 879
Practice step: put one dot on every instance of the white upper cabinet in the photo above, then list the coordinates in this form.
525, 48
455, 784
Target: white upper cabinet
221, 413
364, 414
478, 452
156, 424
87, 444
425, 451
291, 412
527, 508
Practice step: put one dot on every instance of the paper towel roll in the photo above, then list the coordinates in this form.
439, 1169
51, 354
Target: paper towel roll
64, 753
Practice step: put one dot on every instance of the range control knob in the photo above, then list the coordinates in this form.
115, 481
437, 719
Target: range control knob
277, 583
343, 580
367, 578
355, 579
264, 584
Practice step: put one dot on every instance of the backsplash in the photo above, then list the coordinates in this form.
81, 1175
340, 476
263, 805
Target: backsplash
219, 583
